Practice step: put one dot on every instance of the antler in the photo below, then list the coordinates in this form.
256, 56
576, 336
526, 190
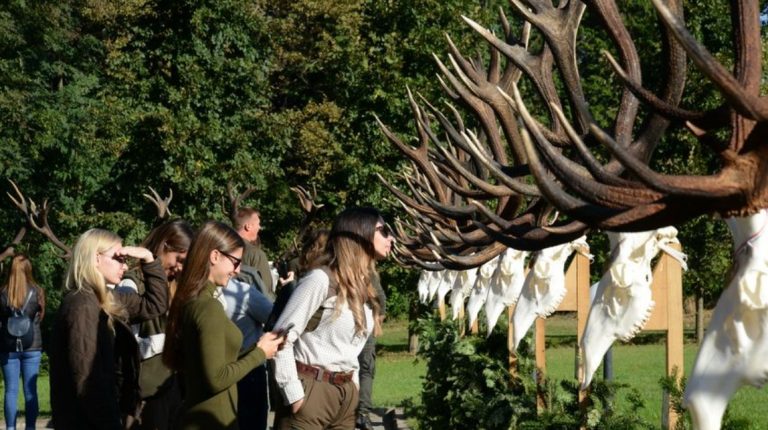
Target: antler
162, 204
234, 200
40, 223
37, 218
20, 202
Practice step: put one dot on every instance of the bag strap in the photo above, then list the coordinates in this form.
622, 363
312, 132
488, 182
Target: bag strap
314, 321
29, 297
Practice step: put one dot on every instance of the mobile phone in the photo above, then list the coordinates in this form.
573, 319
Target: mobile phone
284, 330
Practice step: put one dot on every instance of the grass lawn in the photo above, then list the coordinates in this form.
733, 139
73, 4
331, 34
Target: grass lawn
641, 366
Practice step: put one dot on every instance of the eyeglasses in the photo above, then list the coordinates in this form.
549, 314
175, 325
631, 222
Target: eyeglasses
384, 230
235, 261
119, 258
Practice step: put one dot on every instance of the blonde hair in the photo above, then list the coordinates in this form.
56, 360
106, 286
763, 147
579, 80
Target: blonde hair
350, 255
83, 275
19, 279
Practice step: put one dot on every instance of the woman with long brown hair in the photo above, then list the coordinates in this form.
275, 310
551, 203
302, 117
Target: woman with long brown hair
160, 392
22, 307
95, 357
327, 321
201, 342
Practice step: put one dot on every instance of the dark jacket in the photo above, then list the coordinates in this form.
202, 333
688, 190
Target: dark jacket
35, 309
95, 368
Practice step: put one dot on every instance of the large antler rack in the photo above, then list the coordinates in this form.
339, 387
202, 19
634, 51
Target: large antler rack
652, 200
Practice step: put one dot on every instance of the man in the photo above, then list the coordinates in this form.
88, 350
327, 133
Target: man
248, 224
248, 302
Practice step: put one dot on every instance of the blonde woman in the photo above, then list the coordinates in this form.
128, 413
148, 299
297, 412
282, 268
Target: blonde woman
201, 342
95, 357
22, 306
327, 321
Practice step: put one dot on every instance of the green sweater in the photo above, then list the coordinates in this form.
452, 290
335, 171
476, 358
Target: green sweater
211, 367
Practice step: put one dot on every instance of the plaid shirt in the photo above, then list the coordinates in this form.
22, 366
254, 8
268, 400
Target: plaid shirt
332, 346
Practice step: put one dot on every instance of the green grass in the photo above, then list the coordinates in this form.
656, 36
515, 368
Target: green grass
641, 366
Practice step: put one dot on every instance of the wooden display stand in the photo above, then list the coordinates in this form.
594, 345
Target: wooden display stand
667, 315
575, 300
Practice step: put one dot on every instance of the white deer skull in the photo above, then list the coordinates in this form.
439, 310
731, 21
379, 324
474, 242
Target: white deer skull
434, 282
622, 300
505, 285
423, 285
544, 287
446, 283
735, 346
479, 292
463, 284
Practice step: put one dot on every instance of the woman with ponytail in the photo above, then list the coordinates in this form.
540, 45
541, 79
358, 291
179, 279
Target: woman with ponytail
201, 343
95, 357
327, 321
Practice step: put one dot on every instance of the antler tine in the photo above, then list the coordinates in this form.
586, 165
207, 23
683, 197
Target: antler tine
45, 229
21, 201
11, 248
162, 205
235, 199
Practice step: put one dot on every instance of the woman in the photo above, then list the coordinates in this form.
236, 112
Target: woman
21, 300
312, 249
201, 342
95, 357
317, 368
159, 388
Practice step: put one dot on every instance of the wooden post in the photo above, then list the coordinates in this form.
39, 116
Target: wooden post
541, 361
441, 308
512, 360
667, 315
576, 300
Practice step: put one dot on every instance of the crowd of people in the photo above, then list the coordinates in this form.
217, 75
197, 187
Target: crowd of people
189, 331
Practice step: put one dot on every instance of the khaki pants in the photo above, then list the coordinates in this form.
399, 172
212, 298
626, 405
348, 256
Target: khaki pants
326, 406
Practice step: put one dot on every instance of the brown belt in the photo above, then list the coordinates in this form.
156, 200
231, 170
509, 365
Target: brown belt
335, 378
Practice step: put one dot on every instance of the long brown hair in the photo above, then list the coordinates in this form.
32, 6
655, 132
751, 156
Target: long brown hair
312, 249
351, 257
20, 279
172, 236
212, 235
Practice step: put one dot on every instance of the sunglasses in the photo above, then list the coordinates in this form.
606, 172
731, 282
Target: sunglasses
235, 261
385, 230
119, 258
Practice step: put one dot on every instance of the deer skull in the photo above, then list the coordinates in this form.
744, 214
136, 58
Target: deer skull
544, 287
479, 292
505, 285
736, 342
463, 284
622, 300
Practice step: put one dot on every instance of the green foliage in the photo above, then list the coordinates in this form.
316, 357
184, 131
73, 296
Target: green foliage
468, 385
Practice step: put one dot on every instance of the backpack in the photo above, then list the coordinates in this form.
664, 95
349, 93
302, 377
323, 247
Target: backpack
19, 325
285, 294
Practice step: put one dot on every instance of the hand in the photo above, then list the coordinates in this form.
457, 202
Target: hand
288, 278
269, 343
297, 405
138, 252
